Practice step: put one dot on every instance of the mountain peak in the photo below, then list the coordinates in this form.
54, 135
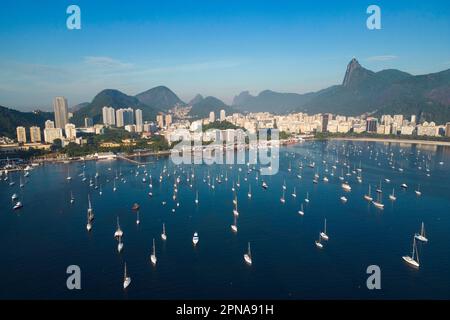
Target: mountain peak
351, 67
196, 99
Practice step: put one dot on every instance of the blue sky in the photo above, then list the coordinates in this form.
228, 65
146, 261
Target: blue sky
212, 47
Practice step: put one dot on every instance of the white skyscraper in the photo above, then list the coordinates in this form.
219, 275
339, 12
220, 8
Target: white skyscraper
21, 135
124, 117
35, 134
61, 112
222, 115
212, 117
109, 116
139, 122
71, 132
49, 124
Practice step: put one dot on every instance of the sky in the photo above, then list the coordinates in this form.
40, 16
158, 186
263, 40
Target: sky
211, 47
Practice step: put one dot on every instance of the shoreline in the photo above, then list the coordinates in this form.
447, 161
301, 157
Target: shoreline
389, 140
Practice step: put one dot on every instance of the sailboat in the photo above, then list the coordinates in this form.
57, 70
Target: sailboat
307, 198
249, 194
368, 196
120, 245
319, 242
301, 211
282, 199
153, 255
323, 234
119, 232
234, 227
294, 194
346, 187
379, 190
72, 199
264, 185
235, 202
90, 211
18, 205
392, 195
21, 184
195, 238
68, 175
114, 187
421, 236
284, 184
126, 278
248, 256
196, 198
413, 260
163, 234
418, 192
238, 184
88, 224
138, 221
379, 204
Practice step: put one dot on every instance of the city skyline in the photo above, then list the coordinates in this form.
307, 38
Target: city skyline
290, 42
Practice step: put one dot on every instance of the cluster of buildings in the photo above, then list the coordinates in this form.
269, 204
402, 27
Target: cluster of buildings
168, 125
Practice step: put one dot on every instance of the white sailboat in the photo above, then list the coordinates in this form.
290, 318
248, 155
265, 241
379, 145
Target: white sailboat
114, 187
344, 199
264, 185
368, 196
153, 255
249, 194
248, 256
413, 260
163, 234
195, 238
421, 236
138, 221
378, 204
234, 227
301, 211
323, 234
119, 232
294, 194
18, 205
120, 245
235, 202
90, 211
282, 199
72, 198
68, 175
319, 242
418, 192
346, 187
307, 197
196, 198
126, 278
392, 196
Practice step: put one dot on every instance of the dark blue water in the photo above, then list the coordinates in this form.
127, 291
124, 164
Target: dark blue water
48, 233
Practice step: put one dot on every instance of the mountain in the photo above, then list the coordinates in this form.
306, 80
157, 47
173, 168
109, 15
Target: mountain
202, 107
10, 119
196, 99
271, 101
116, 99
160, 98
364, 91
77, 107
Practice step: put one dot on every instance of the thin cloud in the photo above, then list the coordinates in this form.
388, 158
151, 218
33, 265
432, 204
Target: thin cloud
106, 62
382, 58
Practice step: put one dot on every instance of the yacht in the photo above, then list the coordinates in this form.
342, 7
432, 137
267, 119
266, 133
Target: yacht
126, 278
413, 260
163, 234
392, 196
301, 211
18, 205
195, 238
368, 196
248, 256
153, 255
421, 236
346, 187
119, 232
323, 234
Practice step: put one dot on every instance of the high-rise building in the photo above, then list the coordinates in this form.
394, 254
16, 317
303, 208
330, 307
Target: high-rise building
71, 132
139, 122
49, 124
212, 117
447, 129
61, 112
168, 120
124, 117
51, 134
413, 119
371, 125
35, 134
88, 122
109, 116
21, 134
325, 119
222, 115
160, 121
